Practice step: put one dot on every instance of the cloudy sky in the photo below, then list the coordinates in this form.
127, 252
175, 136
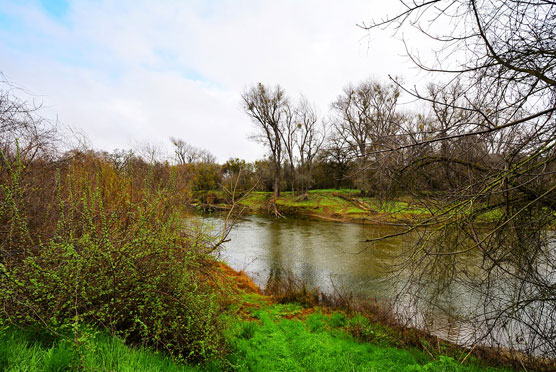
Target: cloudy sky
127, 72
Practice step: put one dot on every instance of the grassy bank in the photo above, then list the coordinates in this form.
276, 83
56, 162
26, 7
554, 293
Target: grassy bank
262, 334
267, 337
290, 337
31, 350
348, 205
345, 205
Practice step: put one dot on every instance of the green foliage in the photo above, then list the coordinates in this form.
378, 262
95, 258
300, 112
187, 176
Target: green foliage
338, 320
272, 343
316, 323
344, 204
283, 339
206, 176
284, 309
317, 344
248, 330
113, 253
367, 331
238, 176
24, 351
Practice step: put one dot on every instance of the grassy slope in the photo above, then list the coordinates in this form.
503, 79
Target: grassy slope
263, 335
270, 337
333, 204
28, 351
267, 337
345, 205
290, 338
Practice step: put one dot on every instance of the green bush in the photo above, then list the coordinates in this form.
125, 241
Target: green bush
337, 320
248, 330
112, 252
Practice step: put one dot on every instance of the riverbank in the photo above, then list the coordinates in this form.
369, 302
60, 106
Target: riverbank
263, 334
344, 205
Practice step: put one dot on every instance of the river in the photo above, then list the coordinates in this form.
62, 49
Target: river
323, 254
335, 257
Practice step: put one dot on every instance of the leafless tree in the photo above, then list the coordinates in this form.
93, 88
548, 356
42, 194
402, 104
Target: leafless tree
151, 152
288, 136
189, 154
21, 127
502, 54
450, 115
268, 108
309, 140
336, 154
206, 157
184, 152
367, 119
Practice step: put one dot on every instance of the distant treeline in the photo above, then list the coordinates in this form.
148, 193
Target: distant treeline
367, 141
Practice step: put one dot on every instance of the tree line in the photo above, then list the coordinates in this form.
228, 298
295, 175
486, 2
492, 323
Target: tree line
367, 141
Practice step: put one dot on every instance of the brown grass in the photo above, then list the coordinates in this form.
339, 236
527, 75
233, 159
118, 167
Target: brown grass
239, 280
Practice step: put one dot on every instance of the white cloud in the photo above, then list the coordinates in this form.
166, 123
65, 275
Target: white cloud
136, 71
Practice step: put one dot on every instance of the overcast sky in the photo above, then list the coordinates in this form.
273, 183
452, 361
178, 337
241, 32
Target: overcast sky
130, 72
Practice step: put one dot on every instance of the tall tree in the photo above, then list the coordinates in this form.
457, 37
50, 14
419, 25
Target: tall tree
288, 135
184, 152
188, 154
366, 117
336, 155
268, 108
21, 130
309, 140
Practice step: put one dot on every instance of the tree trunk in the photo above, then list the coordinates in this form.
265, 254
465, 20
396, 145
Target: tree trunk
292, 168
276, 181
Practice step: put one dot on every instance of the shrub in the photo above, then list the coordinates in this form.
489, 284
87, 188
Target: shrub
111, 250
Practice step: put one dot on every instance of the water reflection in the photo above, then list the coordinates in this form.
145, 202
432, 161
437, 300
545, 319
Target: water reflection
323, 254
331, 255
334, 256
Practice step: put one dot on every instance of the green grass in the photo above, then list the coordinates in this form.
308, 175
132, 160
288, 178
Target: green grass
326, 202
330, 191
321, 343
270, 341
256, 199
29, 351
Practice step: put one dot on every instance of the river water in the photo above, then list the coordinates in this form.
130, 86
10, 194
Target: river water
335, 257
327, 255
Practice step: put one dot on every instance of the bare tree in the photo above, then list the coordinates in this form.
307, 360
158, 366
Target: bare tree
367, 119
206, 157
309, 141
288, 135
21, 127
506, 59
336, 154
189, 154
269, 109
450, 115
184, 152
151, 152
